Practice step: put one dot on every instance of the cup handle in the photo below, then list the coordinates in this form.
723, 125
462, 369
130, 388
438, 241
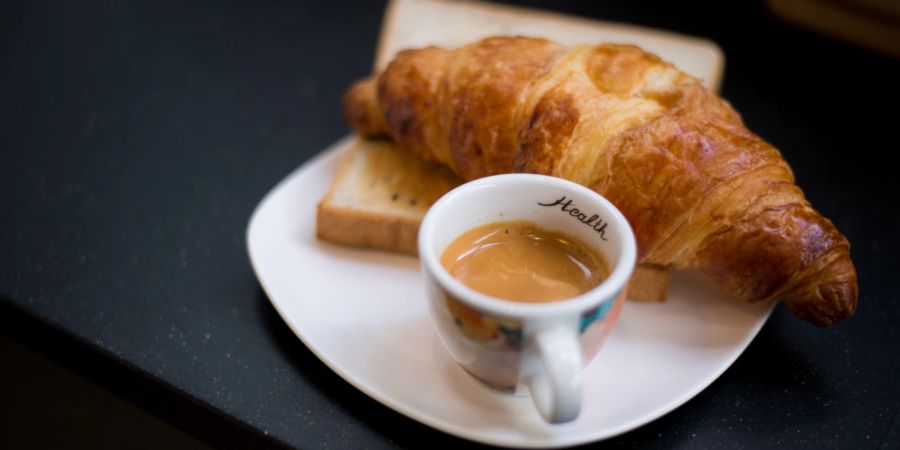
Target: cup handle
555, 381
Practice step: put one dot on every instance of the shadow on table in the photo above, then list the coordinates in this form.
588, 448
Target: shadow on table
137, 387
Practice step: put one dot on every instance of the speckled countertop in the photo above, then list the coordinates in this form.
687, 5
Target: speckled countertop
137, 137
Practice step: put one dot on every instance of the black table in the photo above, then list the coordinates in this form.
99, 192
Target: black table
137, 137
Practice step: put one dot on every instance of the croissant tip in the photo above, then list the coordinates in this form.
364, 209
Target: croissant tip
829, 303
360, 108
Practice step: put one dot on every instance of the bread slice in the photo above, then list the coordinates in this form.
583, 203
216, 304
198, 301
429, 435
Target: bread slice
649, 283
380, 194
419, 23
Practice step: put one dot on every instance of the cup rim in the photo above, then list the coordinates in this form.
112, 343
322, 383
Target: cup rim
604, 292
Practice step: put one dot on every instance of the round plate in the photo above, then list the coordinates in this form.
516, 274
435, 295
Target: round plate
363, 313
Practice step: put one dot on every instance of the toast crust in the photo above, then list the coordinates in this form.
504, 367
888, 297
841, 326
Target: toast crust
359, 228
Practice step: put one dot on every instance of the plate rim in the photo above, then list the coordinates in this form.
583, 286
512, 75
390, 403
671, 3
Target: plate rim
335, 150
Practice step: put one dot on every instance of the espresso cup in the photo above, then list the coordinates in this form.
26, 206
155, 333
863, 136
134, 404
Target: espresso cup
514, 346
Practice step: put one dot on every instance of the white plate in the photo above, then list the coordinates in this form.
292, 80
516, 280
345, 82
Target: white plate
364, 315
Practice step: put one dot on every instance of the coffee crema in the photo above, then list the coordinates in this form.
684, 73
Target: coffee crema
519, 261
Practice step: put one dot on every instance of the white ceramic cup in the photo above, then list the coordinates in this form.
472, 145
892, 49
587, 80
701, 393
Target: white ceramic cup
514, 345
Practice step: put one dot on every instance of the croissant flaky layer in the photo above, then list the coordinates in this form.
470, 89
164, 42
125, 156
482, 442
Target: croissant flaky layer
699, 189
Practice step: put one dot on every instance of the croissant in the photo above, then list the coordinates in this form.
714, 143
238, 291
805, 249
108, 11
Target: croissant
700, 190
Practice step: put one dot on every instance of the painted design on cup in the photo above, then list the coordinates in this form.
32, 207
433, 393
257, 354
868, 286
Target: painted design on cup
482, 327
489, 347
596, 324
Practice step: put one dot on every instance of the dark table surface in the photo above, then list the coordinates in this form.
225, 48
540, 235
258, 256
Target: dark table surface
137, 137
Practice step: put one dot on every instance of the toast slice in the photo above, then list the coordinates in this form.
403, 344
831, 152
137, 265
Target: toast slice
419, 23
379, 197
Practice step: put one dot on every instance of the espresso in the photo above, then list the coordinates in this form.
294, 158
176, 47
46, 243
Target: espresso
521, 262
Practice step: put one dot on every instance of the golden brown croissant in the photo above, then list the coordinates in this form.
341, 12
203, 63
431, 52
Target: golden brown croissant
699, 189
